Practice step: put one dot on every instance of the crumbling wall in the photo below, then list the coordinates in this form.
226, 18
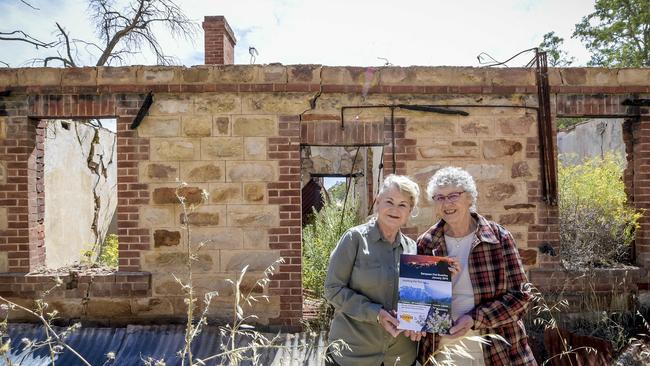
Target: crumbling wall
236, 133
592, 138
81, 189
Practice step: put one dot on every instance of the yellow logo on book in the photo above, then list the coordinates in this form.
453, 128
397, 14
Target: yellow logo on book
406, 317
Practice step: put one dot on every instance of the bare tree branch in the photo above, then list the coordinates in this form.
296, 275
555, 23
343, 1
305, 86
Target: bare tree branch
30, 5
122, 31
21, 36
4, 63
67, 45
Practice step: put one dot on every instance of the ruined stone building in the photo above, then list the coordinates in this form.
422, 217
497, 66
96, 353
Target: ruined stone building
246, 134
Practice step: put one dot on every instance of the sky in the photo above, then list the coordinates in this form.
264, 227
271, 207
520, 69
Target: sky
332, 32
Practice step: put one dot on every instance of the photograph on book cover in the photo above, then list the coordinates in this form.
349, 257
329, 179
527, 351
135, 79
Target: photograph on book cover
424, 294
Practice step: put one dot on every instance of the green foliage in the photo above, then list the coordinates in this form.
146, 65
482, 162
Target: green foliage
319, 239
108, 256
617, 33
596, 224
557, 57
563, 122
337, 191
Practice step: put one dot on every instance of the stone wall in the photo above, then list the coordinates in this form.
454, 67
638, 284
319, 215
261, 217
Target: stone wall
236, 132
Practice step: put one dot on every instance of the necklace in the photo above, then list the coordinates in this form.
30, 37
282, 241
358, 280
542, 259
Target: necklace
455, 241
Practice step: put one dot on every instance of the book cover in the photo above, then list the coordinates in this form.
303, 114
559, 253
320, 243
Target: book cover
424, 294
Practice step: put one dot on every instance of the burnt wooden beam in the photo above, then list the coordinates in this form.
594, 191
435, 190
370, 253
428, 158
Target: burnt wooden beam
144, 109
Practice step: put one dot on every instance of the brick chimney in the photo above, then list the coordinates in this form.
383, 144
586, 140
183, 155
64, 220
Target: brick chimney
219, 41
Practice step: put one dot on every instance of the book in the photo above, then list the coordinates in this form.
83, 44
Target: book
424, 294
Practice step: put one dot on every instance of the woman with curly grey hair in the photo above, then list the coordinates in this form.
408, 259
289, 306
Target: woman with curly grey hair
489, 293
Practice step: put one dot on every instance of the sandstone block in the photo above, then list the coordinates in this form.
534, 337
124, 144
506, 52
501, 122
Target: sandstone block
274, 73
222, 148
158, 171
602, 76
500, 191
152, 216
520, 169
159, 75
486, 171
226, 193
166, 195
9, 77
217, 103
304, 74
221, 126
196, 74
392, 75
116, 75
171, 104
236, 260
215, 238
511, 76
205, 215
79, 76
176, 262
477, 127
4, 222
236, 74
262, 171
519, 218
156, 306
256, 238
255, 192
166, 238
445, 149
203, 171
422, 171
255, 126
275, 103
253, 216
255, 148
516, 125
528, 257
174, 149
493, 149
3, 172
108, 308
44, 76
633, 76
197, 125
350, 75
574, 76
432, 127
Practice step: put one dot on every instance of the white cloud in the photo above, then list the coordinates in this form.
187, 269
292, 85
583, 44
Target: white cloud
339, 32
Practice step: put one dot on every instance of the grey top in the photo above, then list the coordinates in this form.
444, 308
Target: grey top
362, 278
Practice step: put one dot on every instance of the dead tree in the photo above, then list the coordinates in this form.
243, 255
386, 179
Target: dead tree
122, 33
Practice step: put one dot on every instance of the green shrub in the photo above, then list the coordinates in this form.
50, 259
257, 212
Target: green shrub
596, 224
319, 239
108, 256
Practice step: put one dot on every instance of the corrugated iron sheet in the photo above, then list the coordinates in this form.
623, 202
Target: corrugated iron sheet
134, 344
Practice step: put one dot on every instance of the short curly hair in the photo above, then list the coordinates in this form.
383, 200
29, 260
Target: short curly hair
456, 177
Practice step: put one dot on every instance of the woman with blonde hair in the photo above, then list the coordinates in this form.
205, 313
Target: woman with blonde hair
362, 282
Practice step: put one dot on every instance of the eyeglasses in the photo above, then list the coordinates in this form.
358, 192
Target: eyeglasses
451, 197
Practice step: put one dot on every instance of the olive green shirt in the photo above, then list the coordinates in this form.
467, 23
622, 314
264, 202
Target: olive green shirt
362, 278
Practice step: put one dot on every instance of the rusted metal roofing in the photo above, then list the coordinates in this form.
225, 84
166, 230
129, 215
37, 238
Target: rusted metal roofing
134, 344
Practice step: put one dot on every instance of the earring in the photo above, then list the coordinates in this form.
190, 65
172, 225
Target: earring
415, 212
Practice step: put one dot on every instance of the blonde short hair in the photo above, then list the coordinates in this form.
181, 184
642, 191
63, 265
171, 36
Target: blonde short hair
404, 184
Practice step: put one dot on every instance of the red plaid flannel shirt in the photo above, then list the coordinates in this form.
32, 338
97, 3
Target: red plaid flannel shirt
500, 300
